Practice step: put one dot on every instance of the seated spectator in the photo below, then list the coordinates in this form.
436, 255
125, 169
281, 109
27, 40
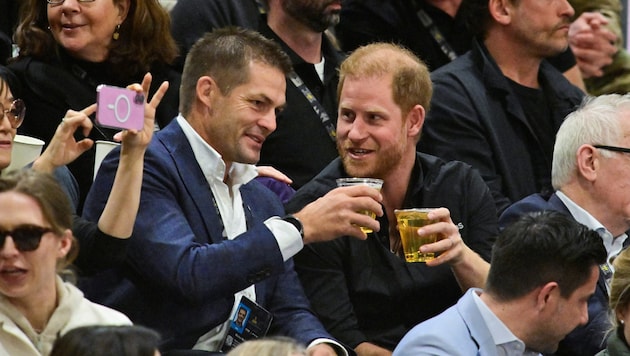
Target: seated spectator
208, 237
36, 306
68, 48
544, 268
436, 31
617, 343
303, 142
106, 340
102, 245
589, 172
499, 106
363, 291
269, 347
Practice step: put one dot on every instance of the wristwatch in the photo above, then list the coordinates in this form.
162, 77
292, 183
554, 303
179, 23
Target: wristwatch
295, 222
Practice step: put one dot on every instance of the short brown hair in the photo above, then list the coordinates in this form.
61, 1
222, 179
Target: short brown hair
225, 55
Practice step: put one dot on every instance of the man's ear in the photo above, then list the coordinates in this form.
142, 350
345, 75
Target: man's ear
415, 120
501, 11
547, 296
588, 162
206, 88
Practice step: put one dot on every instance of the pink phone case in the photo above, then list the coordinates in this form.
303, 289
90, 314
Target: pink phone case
119, 108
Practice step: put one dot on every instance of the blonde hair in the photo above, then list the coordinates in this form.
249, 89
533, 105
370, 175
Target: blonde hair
620, 285
276, 346
411, 81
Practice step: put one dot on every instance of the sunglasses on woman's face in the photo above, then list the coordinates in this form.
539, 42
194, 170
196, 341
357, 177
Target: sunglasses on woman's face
25, 237
15, 113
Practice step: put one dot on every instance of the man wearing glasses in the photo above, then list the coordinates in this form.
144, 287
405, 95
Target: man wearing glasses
591, 176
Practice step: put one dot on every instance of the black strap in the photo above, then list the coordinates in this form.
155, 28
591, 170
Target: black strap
435, 32
317, 107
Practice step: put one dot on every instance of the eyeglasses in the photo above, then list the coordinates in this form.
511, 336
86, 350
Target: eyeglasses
15, 112
613, 148
57, 2
25, 237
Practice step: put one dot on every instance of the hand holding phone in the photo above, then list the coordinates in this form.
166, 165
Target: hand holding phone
119, 108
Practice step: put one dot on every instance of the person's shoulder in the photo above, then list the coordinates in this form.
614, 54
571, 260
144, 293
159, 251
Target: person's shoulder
87, 312
529, 204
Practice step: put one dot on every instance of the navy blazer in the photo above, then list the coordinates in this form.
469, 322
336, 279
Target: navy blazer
588, 339
459, 330
180, 275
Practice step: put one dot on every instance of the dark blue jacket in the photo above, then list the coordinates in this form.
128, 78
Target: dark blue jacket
180, 275
588, 339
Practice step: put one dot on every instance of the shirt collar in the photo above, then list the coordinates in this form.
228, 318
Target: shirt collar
211, 162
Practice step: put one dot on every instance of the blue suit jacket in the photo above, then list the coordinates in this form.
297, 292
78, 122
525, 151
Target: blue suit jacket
587, 339
180, 276
459, 330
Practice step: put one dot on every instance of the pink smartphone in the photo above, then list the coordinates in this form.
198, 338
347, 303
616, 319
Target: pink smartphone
119, 108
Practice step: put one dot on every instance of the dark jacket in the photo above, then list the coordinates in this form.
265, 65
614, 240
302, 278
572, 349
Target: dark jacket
475, 117
363, 292
180, 274
585, 340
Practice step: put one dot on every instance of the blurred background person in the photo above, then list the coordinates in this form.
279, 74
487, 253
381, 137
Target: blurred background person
617, 343
273, 346
105, 340
68, 47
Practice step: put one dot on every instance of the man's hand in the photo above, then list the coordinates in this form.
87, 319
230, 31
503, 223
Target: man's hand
338, 214
64, 148
469, 268
592, 43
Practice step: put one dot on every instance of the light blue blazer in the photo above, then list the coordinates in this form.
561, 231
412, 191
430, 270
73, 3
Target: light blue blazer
459, 330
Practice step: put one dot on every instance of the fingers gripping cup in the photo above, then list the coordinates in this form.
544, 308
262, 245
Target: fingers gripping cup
371, 182
409, 221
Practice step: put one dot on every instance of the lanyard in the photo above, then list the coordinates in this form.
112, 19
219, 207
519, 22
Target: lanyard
437, 35
317, 107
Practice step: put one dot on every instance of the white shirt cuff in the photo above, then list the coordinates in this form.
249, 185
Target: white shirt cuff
340, 350
288, 237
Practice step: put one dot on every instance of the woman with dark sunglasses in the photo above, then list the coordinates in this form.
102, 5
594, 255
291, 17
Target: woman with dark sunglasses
36, 306
102, 244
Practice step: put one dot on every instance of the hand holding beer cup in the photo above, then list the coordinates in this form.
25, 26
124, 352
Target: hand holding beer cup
438, 227
370, 182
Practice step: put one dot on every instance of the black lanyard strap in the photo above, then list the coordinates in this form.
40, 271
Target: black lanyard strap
317, 107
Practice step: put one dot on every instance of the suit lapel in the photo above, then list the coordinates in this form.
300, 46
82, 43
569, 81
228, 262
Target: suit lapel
193, 180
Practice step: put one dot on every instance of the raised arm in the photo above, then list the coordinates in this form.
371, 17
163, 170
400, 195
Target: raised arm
121, 209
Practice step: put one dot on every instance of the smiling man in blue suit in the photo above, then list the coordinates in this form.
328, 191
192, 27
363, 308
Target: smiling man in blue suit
208, 237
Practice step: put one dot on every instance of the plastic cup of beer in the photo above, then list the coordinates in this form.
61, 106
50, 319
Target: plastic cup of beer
371, 182
409, 221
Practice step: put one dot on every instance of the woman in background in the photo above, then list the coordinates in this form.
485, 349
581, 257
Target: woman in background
68, 47
103, 244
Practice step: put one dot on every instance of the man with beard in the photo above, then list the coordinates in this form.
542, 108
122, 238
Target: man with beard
304, 141
364, 293
499, 106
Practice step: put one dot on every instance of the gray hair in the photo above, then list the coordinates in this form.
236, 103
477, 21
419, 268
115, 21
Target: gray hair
596, 121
